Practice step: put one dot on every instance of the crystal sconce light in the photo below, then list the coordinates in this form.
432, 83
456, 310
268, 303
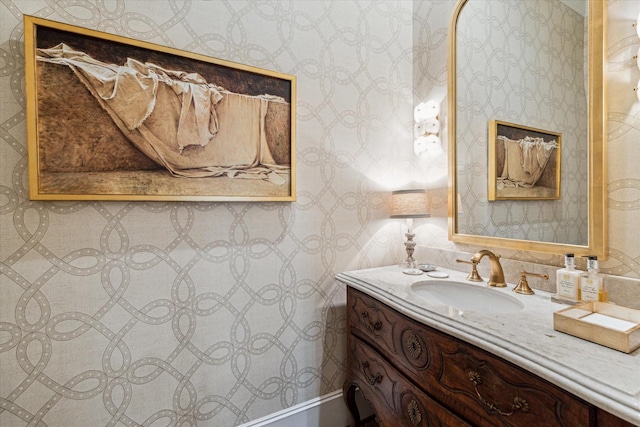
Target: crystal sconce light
637, 88
426, 128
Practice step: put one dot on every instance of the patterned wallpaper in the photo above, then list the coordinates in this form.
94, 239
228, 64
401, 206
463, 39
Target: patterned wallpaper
211, 314
624, 134
214, 314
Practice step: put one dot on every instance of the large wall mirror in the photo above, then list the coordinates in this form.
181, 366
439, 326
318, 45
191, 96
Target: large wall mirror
527, 149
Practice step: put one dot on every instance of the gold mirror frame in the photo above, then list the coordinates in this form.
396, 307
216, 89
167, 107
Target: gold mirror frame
597, 239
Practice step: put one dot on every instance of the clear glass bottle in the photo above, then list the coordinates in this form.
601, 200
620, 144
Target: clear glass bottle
592, 284
568, 280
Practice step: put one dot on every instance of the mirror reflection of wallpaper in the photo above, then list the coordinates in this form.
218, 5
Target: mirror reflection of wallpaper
532, 75
208, 314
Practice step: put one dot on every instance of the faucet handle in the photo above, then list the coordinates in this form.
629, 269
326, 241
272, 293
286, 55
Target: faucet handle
523, 286
473, 276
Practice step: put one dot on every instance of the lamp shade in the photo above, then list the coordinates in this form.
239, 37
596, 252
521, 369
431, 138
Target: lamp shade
409, 204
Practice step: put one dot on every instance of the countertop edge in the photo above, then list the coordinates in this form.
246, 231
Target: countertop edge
605, 397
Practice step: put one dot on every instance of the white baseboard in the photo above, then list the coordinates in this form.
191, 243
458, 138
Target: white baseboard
324, 411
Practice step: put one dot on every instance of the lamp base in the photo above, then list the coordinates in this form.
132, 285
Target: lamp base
410, 245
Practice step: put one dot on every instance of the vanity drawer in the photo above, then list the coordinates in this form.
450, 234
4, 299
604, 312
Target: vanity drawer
371, 320
479, 387
491, 391
385, 330
398, 403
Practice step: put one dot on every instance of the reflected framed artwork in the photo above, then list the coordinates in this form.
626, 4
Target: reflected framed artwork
524, 162
113, 118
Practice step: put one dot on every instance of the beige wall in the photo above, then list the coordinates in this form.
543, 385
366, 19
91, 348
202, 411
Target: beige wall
624, 134
219, 313
215, 313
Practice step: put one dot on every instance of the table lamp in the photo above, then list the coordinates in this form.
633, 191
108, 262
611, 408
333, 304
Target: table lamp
409, 204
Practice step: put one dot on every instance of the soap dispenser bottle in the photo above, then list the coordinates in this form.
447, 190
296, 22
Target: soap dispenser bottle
568, 280
592, 284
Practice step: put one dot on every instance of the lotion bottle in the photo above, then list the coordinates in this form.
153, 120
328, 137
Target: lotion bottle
592, 284
568, 280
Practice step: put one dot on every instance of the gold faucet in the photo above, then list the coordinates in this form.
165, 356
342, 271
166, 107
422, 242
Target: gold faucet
496, 277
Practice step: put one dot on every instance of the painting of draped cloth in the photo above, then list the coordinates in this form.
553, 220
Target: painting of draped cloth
525, 161
525, 165
190, 126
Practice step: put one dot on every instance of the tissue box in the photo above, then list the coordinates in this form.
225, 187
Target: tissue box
602, 323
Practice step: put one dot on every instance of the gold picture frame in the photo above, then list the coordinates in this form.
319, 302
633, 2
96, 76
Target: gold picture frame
524, 162
113, 118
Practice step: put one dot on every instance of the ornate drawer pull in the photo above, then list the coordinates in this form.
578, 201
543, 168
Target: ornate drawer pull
517, 404
413, 346
370, 379
376, 325
414, 412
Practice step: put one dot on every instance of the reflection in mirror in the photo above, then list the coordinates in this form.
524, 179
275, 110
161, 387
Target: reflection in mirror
522, 62
529, 64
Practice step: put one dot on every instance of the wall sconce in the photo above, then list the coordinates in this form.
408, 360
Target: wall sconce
409, 204
637, 88
426, 128
460, 206
637, 57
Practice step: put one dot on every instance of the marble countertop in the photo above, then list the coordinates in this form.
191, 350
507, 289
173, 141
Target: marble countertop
607, 378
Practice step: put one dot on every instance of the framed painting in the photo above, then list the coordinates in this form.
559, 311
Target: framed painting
524, 162
113, 118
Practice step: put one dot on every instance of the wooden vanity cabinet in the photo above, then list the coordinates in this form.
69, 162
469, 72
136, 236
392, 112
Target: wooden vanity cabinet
414, 375
397, 400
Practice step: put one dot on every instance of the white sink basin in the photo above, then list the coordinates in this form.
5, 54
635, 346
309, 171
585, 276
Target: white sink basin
468, 297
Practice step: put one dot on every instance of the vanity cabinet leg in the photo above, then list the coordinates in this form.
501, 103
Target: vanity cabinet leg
349, 395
